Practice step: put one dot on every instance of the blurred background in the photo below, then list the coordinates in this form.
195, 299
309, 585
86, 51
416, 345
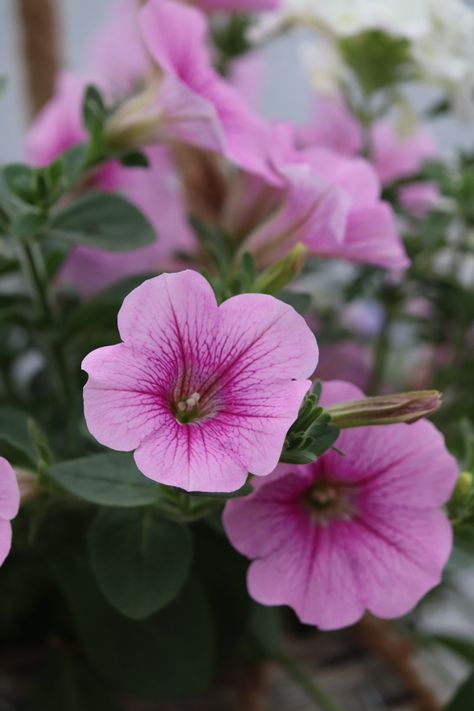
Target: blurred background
284, 95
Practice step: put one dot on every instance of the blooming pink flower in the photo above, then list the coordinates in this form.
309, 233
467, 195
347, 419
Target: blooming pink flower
203, 394
9, 505
350, 533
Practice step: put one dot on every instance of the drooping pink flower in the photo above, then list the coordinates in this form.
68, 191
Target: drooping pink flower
329, 202
350, 533
195, 103
203, 394
9, 505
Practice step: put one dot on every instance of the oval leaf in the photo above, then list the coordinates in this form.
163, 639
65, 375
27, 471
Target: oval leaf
141, 561
110, 479
103, 220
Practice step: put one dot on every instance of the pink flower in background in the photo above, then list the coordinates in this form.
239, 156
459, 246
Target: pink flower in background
203, 394
398, 156
58, 126
9, 505
330, 203
237, 5
196, 104
332, 126
118, 54
157, 192
350, 533
419, 198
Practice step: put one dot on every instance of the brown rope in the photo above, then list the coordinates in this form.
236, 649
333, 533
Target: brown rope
39, 33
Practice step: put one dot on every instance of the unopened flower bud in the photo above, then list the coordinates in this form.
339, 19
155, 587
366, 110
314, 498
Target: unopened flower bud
464, 486
281, 273
386, 409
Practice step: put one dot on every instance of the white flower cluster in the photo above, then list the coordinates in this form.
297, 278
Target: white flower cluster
440, 33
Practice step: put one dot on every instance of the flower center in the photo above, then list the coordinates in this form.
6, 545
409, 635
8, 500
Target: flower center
329, 501
187, 409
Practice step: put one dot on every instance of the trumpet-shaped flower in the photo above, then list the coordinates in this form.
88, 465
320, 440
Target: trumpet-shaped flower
330, 203
203, 394
363, 531
9, 505
196, 104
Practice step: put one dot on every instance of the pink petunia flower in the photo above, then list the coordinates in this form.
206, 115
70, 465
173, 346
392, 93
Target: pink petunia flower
203, 394
9, 505
350, 533
329, 202
155, 190
195, 104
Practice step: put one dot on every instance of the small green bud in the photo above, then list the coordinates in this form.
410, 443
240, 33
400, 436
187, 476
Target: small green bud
281, 273
386, 409
464, 486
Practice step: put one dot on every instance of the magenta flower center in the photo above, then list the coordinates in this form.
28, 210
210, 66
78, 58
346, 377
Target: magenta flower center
329, 501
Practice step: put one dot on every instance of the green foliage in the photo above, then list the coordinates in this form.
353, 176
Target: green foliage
141, 561
378, 60
110, 479
102, 220
15, 437
67, 683
463, 700
311, 434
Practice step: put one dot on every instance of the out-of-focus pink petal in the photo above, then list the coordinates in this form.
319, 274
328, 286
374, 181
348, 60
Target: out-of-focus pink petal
332, 126
396, 156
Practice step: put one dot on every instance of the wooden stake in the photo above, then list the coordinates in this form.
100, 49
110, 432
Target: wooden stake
39, 32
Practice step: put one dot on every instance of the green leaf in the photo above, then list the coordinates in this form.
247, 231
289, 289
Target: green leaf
103, 220
73, 163
110, 479
168, 655
68, 684
20, 179
463, 700
141, 561
377, 59
15, 439
134, 159
28, 224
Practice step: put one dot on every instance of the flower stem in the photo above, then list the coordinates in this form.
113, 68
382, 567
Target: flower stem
306, 682
34, 273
